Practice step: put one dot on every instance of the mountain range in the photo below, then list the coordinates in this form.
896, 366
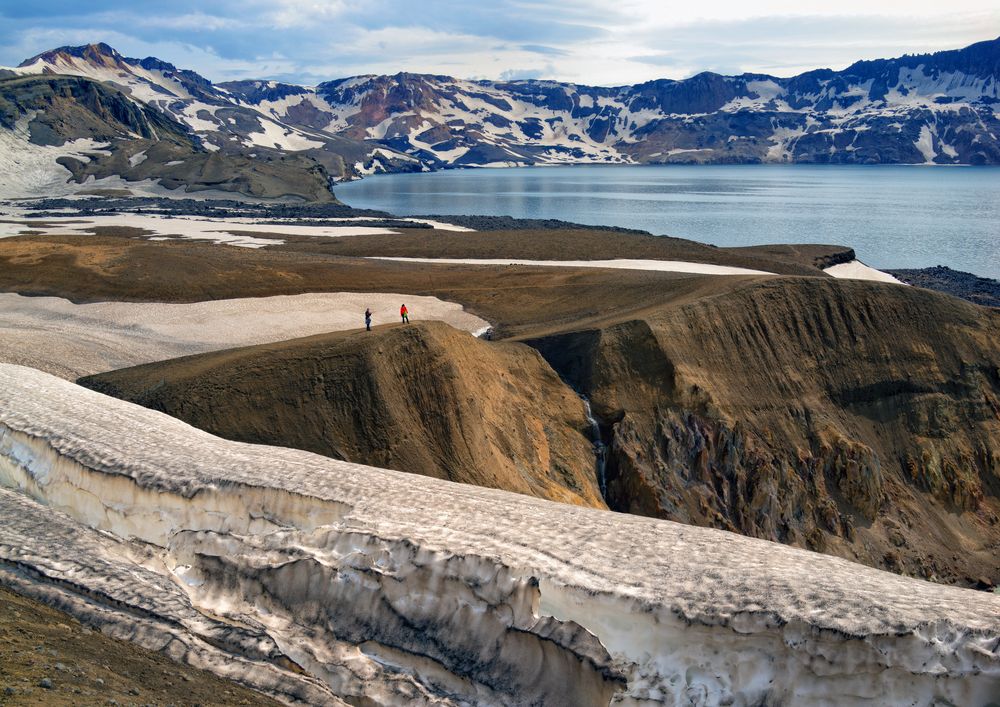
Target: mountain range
146, 119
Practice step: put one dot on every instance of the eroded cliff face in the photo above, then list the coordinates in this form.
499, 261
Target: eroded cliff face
423, 398
852, 418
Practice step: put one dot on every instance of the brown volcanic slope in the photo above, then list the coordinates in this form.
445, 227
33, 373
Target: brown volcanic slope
518, 299
856, 418
578, 244
85, 667
850, 417
422, 398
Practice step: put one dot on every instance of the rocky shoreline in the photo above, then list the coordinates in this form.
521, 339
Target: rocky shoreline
965, 285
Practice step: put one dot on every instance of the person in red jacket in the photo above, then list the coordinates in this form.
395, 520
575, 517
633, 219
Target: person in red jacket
404, 313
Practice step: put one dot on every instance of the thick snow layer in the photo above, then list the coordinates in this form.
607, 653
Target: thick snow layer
397, 588
71, 340
280, 137
29, 170
856, 270
150, 608
620, 264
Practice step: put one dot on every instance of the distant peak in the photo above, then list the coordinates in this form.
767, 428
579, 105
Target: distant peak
99, 53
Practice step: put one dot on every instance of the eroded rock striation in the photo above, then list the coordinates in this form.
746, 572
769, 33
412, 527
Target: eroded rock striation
854, 418
313, 578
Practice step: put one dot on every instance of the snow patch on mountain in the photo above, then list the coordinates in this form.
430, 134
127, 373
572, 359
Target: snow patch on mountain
856, 270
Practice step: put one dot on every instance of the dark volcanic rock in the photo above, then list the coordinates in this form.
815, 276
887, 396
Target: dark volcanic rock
973, 288
830, 415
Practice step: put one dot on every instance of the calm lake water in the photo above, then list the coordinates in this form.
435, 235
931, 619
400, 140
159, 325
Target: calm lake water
893, 216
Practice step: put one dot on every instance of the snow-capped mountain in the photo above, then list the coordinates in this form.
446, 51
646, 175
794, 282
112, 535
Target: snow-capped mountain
925, 109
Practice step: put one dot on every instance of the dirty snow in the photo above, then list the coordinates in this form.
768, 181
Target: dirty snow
228, 231
856, 270
393, 588
71, 340
620, 264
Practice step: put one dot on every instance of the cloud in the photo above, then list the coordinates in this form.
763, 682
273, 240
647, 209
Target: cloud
521, 74
548, 51
584, 41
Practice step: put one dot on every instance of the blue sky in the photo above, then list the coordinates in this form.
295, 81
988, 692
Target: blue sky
586, 41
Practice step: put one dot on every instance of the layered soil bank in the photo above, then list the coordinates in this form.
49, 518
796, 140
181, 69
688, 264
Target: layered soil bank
422, 398
852, 418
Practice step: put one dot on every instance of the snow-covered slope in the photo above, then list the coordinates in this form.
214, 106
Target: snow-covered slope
311, 577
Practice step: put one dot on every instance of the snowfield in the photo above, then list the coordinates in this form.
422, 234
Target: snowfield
72, 340
233, 231
618, 264
856, 270
402, 589
229, 231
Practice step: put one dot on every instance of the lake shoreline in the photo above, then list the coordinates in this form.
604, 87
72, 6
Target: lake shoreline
895, 218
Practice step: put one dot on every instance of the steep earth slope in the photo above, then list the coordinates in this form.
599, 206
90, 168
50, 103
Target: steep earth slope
854, 418
918, 109
424, 398
315, 580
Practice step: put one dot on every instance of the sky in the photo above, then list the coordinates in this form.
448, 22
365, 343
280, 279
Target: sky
598, 42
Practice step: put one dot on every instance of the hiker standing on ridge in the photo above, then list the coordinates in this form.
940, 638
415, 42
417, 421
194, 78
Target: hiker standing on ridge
404, 313
368, 319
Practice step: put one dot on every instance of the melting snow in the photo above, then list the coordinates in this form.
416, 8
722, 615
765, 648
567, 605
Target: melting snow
856, 270
394, 588
621, 264
278, 136
925, 143
229, 231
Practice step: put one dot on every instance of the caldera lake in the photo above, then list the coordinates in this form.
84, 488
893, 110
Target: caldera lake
893, 216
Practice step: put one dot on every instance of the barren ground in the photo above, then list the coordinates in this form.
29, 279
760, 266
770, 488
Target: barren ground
85, 667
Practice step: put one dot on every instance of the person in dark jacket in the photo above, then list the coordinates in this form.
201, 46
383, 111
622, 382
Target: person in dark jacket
368, 319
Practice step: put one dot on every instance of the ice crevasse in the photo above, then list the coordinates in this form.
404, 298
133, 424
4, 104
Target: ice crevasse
318, 581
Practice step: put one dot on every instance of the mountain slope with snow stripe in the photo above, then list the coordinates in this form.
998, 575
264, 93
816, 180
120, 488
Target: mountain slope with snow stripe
927, 109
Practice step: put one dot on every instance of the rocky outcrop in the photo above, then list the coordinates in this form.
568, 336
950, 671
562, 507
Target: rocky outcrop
834, 416
980, 290
72, 107
423, 398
